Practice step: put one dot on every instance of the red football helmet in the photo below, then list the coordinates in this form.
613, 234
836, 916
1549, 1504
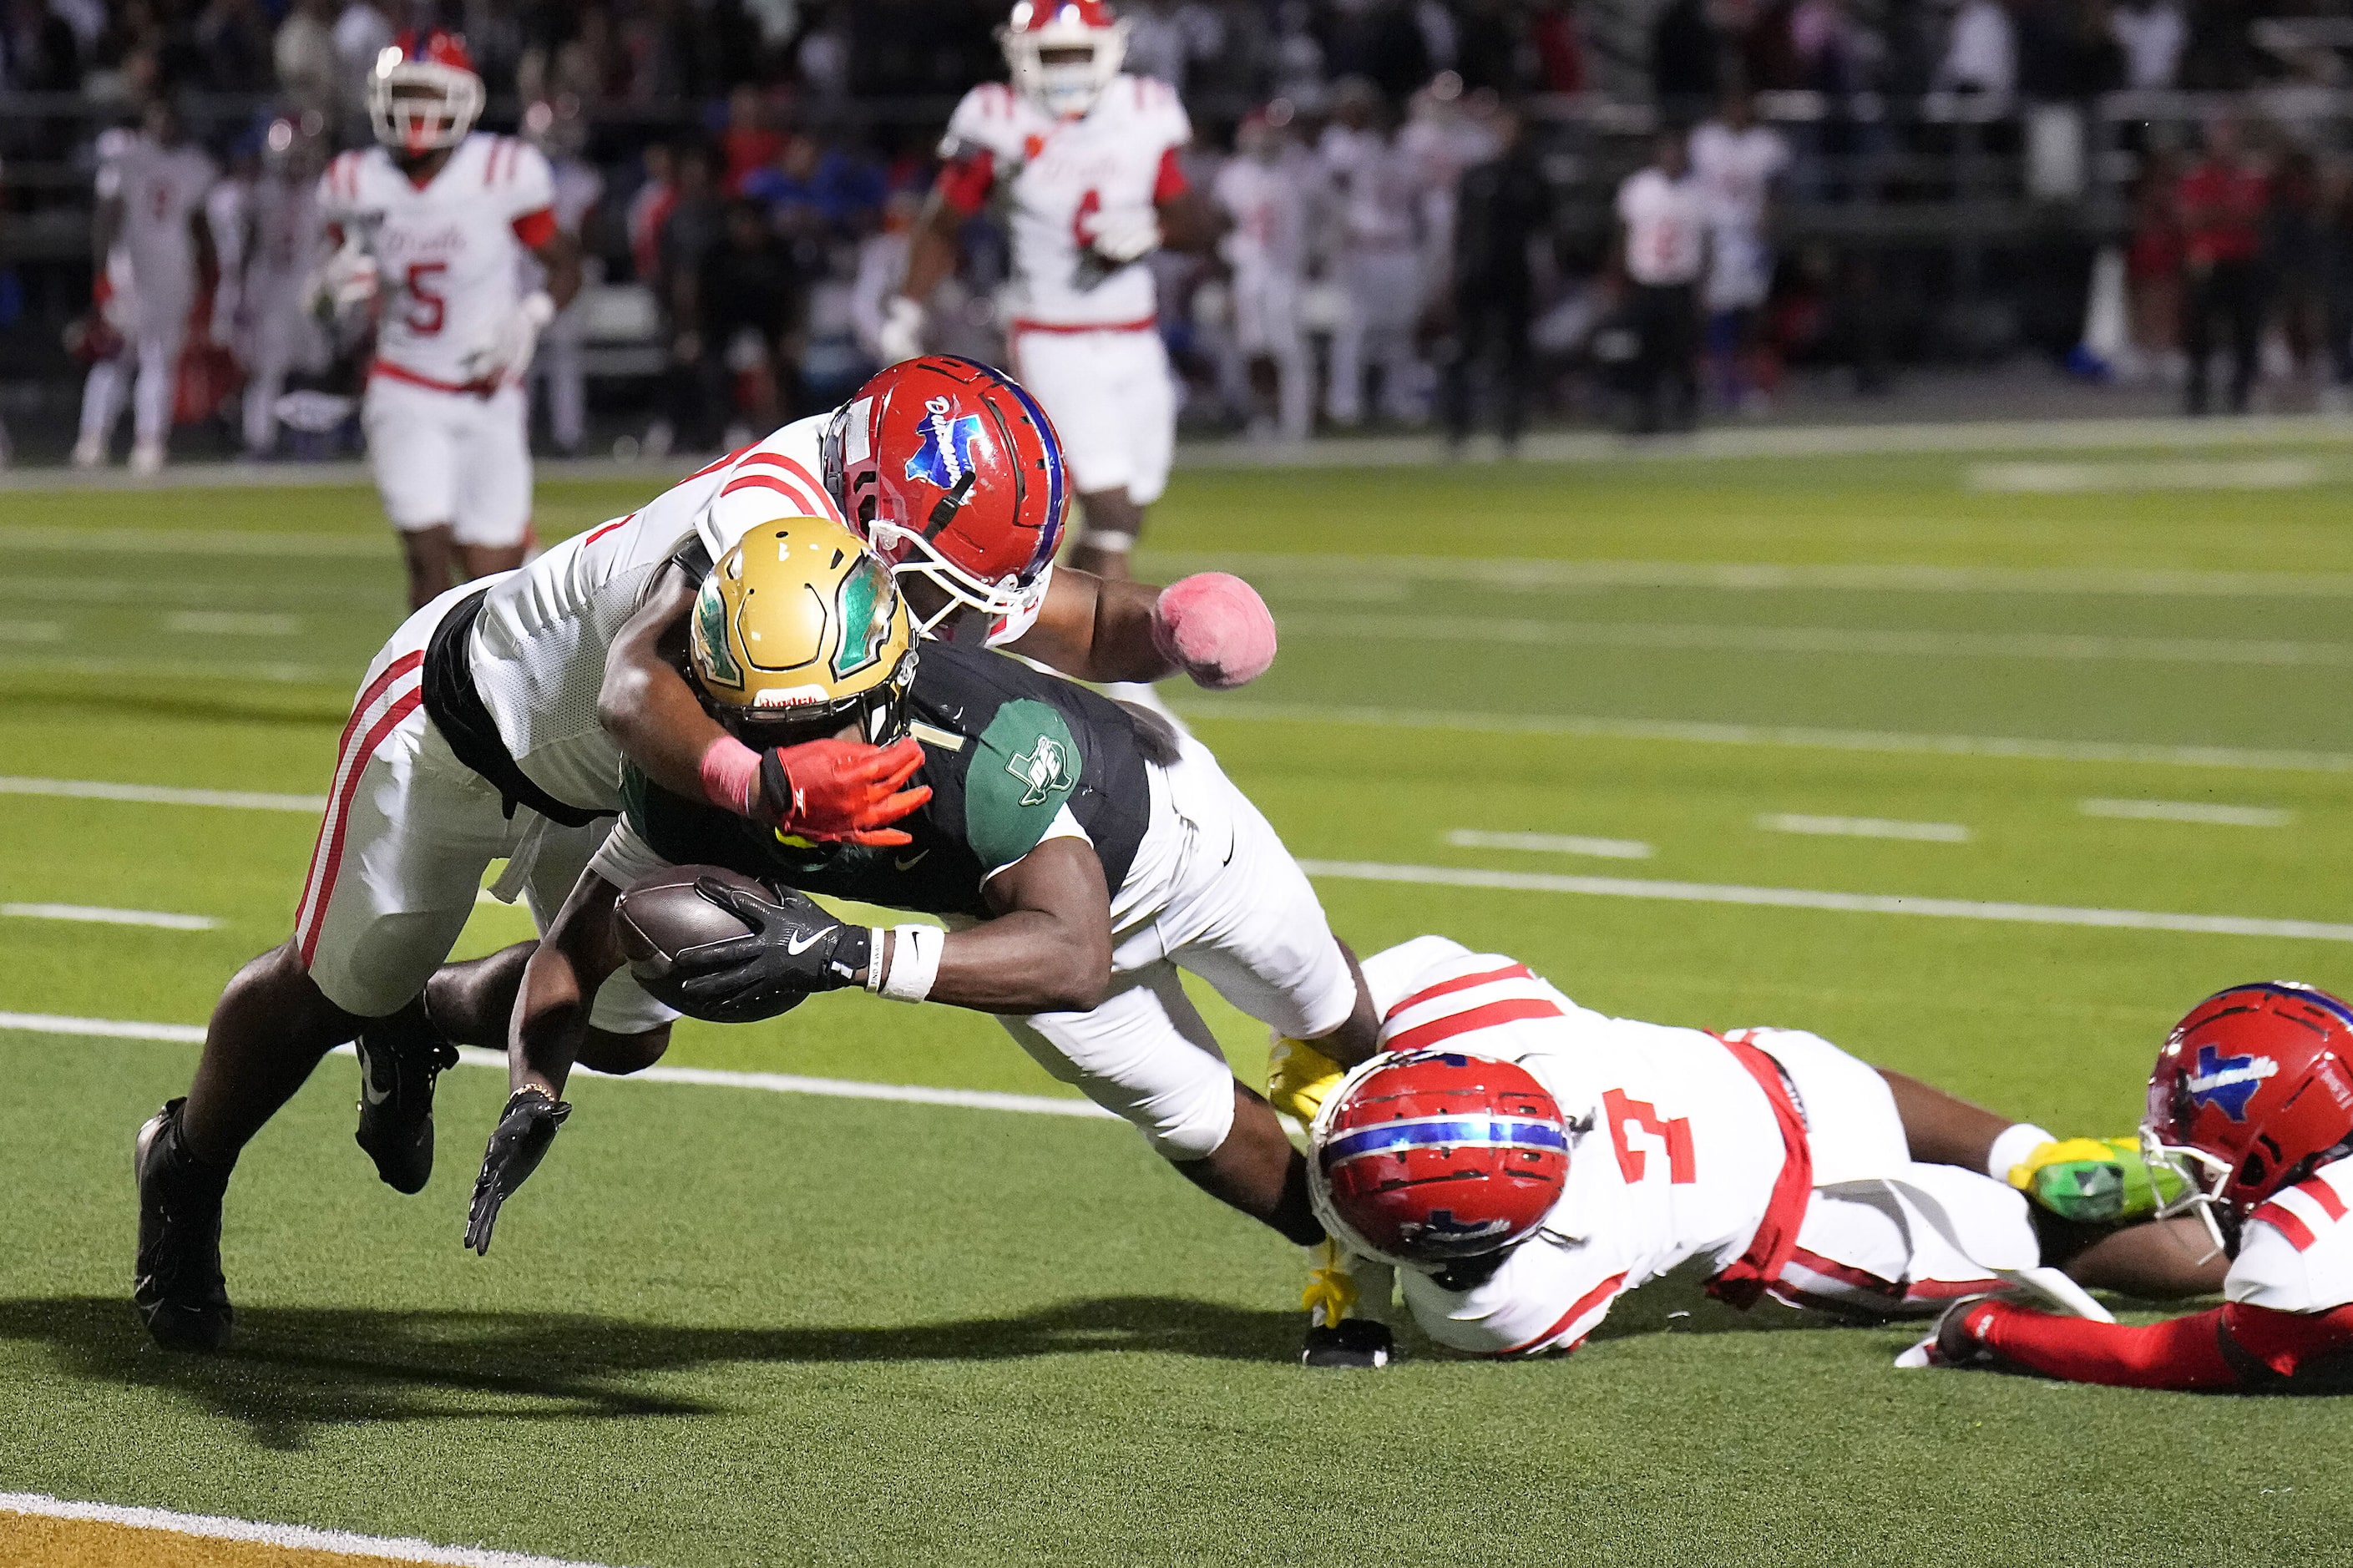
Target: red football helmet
1088, 43
951, 472
1431, 1157
2252, 1089
423, 92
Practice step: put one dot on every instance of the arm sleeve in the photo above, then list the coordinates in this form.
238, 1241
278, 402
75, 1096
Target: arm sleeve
1170, 182
965, 181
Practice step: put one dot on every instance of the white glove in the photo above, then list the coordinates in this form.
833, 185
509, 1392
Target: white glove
346, 280
1121, 235
900, 335
505, 358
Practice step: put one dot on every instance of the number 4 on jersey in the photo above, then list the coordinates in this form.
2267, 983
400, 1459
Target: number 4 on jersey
1624, 1114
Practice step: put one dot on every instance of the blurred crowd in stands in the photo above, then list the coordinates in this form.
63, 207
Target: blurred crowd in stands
744, 174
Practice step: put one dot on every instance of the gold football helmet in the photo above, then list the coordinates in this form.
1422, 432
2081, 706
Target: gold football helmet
797, 632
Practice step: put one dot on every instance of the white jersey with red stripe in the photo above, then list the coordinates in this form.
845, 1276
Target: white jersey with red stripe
1056, 176
450, 249
2295, 1253
1674, 1147
162, 189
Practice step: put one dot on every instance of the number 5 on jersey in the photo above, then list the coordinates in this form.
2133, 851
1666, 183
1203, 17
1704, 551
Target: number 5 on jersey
1628, 1116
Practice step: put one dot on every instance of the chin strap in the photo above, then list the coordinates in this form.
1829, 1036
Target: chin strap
944, 510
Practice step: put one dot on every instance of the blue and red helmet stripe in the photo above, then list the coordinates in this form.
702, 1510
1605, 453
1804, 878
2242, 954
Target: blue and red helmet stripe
1444, 1133
1050, 536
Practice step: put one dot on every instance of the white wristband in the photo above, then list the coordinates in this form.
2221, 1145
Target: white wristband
915, 963
539, 307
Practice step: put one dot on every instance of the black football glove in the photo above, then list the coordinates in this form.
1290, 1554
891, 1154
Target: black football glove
794, 948
525, 1129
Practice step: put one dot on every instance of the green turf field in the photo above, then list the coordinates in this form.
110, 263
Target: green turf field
731, 1327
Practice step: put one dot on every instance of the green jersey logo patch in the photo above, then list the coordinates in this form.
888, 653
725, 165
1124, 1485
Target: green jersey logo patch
1045, 769
1028, 765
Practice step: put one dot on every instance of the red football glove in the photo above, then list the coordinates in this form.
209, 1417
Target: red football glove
842, 790
1215, 628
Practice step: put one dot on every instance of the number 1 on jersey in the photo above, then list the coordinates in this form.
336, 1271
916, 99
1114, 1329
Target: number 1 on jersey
1675, 1135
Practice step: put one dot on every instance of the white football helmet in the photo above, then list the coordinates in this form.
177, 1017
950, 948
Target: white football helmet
1065, 87
423, 92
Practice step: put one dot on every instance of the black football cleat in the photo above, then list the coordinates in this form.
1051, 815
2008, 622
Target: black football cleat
1358, 1345
399, 1058
176, 1285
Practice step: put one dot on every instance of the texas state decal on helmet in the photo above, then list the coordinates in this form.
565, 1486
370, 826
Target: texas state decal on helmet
1430, 1157
952, 472
2251, 1090
423, 92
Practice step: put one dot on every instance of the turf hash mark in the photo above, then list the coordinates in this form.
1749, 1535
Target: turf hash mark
1551, 844
92, 915
53, 1529
1863, 828
2189, 811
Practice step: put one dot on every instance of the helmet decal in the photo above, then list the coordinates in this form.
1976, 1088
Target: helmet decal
2226, 1082
945, 456
866, 603
711, 618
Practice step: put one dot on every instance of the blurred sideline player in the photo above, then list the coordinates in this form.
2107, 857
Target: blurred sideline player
494, 723
279, 336
1086, 158
432, 225
1260, 193
151, 203
1379, 213
1521, 1163
2251, 1108
557, 131
1082, 854
1736, 161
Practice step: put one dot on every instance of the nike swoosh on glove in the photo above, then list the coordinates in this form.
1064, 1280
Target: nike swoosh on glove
1299, 1077
794, 948
519, 1143
1215, 628
842, 790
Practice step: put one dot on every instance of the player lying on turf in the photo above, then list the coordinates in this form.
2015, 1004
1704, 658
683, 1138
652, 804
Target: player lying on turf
1517, 1162
493, 725
2250, 1107
1083, 852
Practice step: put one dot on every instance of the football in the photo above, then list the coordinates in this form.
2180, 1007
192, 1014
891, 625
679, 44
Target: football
661, 916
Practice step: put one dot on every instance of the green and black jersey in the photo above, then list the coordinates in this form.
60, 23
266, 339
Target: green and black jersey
1006, 751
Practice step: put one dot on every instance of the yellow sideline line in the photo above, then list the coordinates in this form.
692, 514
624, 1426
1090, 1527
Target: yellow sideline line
36, 1528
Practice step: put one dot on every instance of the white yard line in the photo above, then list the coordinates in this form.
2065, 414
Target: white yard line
34, 539
160, 795
289, 1537
93, 915
1798, 736
1704, 636
32, 631
2189, 811
1863, 828
710, 1078
1551, 844
162, 671
1805, 898
1382, 575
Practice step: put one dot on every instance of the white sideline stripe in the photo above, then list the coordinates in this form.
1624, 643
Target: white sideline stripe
709, 1077
102, 1029
1538, 574
96, 916
1551, 843
1832, 640
2207, 474
1798, 736
1863, 828
1803, 899
293, 1537
2190, 811
34, 539
158, 795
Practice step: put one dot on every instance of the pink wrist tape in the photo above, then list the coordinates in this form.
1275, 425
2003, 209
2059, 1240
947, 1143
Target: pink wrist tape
731, 775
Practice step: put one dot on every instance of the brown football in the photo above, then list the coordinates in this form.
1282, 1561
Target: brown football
661, 916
